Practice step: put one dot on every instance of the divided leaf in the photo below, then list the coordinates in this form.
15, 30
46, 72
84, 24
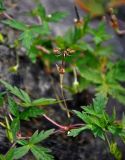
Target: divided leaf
21, 151
17, 92
44, 101
31, 112
15, 126
16, 24
75, 132
38, 137
41, 153
99, 103
13, 108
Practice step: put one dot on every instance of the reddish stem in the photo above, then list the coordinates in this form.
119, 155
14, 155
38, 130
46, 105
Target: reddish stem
7, 16
55, 123
64, 128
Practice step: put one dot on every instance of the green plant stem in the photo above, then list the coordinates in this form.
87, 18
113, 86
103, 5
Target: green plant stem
107, 140
65, 104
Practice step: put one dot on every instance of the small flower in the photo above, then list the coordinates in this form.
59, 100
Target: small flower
49, 16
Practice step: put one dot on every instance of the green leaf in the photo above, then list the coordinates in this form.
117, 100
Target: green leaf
13, 108
91, 74
27, 38
99, 33
98, 132
117, 71
38, 137
1, 100
75, 132
90, 110
39, 29
95, 117
20, 151
8, 130
15, 126
17, 92
123, 121
22, 142
31, 112
44, 101
10, 154
115, 129
115, 151
117, 92
16, 24
2, 7
57, 16
40, 11
2, 157
41, 153
99, 103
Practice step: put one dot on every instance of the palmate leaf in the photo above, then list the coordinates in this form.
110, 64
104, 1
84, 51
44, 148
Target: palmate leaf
29, 32
38, 137
27, 37
41, 153
17, 92
94, 117
26, 101
99, 34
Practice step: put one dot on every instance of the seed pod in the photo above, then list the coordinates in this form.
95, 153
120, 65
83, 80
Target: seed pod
60, 69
